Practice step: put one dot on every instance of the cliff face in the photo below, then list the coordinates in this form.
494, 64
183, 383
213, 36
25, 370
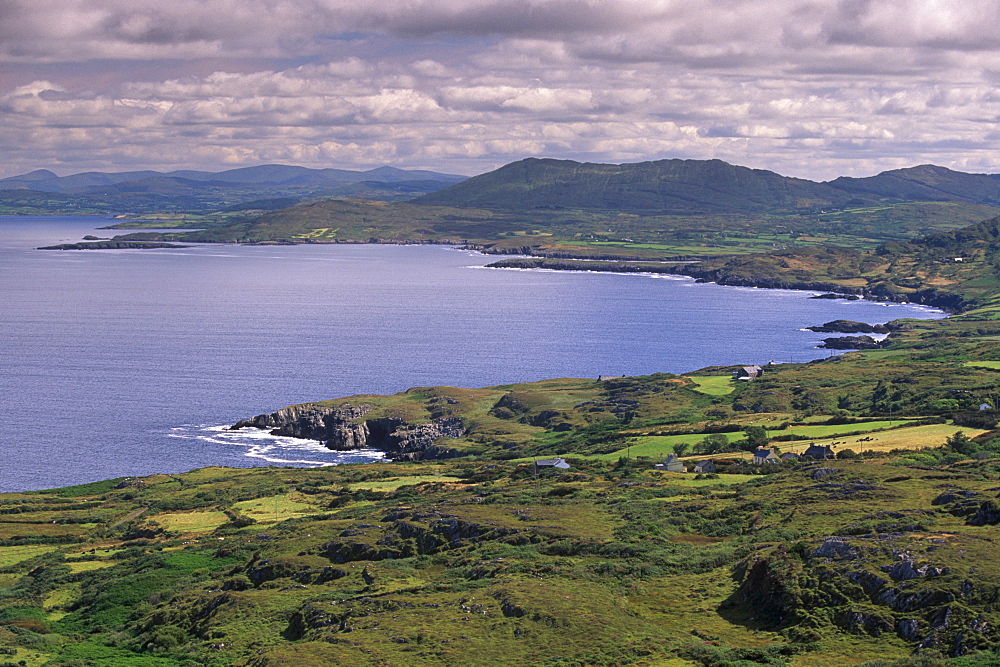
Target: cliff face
342, 428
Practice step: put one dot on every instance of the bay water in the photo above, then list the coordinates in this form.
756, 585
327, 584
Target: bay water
133, 362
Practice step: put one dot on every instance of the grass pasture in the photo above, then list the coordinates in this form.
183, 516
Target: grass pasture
394, 483
913, 437
10, 556
275, 508
688, 480
834, 430
191, 522
713, 385
916, 437
995, 365
89, 565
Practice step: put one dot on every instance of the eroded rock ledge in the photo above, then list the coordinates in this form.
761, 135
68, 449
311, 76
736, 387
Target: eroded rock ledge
344, 428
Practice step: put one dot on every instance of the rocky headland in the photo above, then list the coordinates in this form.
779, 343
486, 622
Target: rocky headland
852, 327
112, 245
344, 428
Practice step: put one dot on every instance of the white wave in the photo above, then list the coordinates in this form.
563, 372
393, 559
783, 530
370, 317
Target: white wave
637, 274
670, 276
260, 444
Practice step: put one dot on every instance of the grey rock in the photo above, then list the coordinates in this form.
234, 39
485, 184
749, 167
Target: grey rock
342, 427
870, 582
907, 628
836, 548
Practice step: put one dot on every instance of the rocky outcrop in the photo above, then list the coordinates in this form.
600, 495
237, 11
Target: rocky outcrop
344, 428
337, 425
850, 343
850, 327
111, 245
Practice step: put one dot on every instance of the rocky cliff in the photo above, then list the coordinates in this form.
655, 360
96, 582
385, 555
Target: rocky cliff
343, 427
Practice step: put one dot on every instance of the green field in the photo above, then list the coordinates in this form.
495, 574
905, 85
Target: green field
275, 508
392, 484
713, 385
984, 364
192, 522
15, 554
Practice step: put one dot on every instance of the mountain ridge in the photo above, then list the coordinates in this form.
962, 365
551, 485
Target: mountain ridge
191, 192
44, 180
676, 186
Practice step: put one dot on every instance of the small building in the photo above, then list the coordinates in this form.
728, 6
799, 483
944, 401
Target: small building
762, 456
705, 467
819, 452
789, 456
671, 464
550, 464
985, 406
747, 373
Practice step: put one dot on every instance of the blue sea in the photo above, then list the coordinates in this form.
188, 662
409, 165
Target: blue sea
132, 362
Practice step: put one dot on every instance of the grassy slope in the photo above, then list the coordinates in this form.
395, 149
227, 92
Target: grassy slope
648, 210
452, 563
588, 233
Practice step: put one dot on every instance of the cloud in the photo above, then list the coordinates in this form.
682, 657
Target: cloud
804, 87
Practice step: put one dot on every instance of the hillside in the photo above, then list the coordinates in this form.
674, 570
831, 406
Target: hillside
926, 182
702, 186
197, 192
662, 187
485, 564
650, 210
955, 270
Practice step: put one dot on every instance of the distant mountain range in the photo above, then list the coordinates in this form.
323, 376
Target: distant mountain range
95, 182
667, 187
262, 188
676, 207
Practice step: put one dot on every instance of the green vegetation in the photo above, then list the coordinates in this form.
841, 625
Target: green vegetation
714, 385
463, 552
205, 198
482, 562
664, 210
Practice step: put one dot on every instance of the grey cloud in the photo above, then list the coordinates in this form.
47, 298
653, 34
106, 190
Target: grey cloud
154, 28
946, 25
805, 87
514, 17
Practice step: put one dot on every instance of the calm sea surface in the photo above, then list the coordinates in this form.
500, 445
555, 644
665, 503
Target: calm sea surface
130, 362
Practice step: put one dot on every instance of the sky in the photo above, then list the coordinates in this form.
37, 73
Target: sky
808, 88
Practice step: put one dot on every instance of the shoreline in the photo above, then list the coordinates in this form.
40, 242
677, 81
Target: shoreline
945, 302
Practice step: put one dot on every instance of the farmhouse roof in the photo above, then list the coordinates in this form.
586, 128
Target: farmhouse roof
551, 463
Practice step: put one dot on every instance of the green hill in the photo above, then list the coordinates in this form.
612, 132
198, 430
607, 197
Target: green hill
648, 210
926, 183
198, 192
702, 186
662, 187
